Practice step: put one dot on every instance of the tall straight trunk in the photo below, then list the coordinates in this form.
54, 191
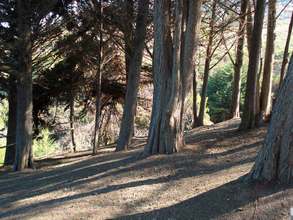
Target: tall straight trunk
172, 81
127, 124
128, 6
11, 135
24, 127
266, 89
71, 119
235, 107
249, 113
202, 109
194, 99
275, 159
286, 51
96, 136
258, 122
249, 25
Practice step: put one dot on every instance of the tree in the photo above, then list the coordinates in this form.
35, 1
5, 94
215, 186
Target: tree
96, 136
24, 127
172, 81
266, 89
127, 124
209, 53
274, 161
194, 100
286, 51
10, 141
250, 108
235, 106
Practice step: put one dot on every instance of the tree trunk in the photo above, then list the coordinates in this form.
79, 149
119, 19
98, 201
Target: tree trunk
249, 113
266, 89
202, 109
235, 107
275, 159
257, 95
249, 25
194, 100
127, 124
128, 6
10, 140
24, 126
96, 136
71, 118
171, 82
286, 51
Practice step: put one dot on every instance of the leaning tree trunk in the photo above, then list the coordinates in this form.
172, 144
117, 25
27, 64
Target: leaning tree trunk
286, 51
24, 126
275, 159
250, 108
10, 140
127, 124
202, 109
266, 89
235, 107
171, 82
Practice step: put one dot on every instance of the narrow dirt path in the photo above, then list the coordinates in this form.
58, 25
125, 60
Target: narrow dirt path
200, 183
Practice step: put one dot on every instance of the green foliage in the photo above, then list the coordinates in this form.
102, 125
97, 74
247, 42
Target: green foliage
220, 93
2, 154
44, 144
3, 114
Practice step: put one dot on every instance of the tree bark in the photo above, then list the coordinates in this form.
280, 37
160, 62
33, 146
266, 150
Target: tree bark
266, 89
172, 81
235, 107
275, 159
127, 124
249, 25
249, 113
286, 52
11, 135
194, 100
128, 33
202, 109
24, 125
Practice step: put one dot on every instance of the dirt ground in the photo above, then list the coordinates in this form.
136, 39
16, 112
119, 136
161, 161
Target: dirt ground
203, 182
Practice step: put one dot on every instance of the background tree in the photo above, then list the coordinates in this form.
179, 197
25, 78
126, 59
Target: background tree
266, 88
235, 106
250, 108
133, 77
172, 82
286, 51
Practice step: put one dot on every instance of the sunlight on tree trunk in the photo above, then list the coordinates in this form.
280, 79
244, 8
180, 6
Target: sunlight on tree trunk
275, 159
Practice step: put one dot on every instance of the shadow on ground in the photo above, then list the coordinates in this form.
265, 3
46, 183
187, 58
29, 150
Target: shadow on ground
80, 172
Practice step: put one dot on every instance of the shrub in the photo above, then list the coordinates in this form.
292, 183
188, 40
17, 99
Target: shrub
44, 144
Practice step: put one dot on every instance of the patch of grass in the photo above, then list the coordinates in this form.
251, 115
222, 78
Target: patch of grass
44, 144
2, 154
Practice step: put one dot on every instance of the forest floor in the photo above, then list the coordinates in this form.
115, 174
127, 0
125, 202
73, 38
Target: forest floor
202, 182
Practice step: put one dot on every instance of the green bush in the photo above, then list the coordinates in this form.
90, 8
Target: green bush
220, 93
44, 144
